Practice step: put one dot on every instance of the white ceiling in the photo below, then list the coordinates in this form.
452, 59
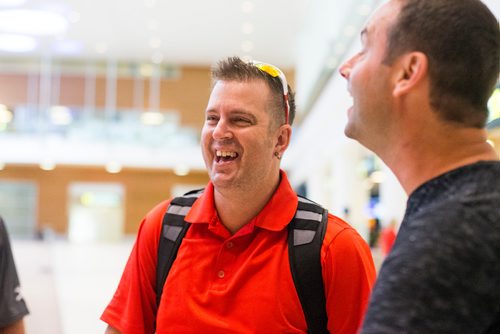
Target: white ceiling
188, 31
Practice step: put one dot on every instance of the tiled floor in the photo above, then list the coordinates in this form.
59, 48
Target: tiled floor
68, 285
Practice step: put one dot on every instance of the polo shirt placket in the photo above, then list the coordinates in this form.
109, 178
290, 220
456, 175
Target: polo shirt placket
229, 255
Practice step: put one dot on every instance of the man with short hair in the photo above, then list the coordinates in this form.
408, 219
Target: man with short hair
232, 273
420, 86
12, 306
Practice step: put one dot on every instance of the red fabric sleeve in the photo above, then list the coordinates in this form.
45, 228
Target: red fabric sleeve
348, 274
133, 307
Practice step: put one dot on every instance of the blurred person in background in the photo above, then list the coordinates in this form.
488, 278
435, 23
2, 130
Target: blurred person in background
420, 87
388, 237
12, 306
232, 272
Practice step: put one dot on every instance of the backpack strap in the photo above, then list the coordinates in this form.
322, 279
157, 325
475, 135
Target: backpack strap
306, 232
173, 230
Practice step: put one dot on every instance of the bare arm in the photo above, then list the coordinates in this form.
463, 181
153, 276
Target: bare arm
15, 328
112, 330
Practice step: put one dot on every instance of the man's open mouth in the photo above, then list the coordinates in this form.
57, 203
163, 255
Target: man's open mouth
225, 156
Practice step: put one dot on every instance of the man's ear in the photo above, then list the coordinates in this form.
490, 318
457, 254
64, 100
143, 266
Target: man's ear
283, 140
412, 70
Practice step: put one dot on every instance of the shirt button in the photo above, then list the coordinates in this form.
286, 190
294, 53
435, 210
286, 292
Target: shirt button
221, 274
230, 244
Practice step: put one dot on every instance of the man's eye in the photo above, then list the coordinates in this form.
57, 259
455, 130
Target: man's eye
242, 120
211, 119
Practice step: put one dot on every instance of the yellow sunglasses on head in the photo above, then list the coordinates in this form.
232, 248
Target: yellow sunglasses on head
276, 72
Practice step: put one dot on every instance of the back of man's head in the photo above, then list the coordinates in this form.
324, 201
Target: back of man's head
461, 39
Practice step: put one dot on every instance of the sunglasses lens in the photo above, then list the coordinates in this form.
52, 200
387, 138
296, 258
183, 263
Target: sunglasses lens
271, 70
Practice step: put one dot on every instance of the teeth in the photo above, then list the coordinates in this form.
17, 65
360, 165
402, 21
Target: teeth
225, 154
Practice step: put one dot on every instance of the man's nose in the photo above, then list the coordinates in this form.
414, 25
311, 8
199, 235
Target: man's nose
345, 69
222, 130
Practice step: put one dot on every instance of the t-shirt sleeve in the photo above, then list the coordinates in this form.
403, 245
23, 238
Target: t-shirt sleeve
12, 305
132, 309
348, 275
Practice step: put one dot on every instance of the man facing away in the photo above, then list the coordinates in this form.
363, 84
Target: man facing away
232, 272
12, 306
420, 87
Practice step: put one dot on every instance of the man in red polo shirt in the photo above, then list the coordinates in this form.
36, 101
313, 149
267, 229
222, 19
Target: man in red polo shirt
232, 271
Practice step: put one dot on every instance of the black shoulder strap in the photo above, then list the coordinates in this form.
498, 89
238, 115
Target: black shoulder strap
306, 232
173, 230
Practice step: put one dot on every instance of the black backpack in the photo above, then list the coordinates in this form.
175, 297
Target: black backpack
305, 237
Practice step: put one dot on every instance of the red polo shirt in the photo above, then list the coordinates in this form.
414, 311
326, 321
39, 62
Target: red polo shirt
241, 283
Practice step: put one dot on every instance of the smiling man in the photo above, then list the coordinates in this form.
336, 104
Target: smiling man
247, 245
420, 86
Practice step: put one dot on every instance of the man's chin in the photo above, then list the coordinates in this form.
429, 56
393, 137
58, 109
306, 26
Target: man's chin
349, 132
220, 180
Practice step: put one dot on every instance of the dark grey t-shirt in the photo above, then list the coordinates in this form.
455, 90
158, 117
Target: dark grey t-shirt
12, 305
443, 273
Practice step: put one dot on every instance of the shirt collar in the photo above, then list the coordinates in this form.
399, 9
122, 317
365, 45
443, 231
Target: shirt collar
275, 215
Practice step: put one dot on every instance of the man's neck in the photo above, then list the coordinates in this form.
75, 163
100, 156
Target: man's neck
417, 160
237, 207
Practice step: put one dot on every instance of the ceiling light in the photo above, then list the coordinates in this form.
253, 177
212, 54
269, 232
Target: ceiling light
247, 28
247, 46
157, 57
47, 164
17, 43
5, 115
155, 42
247, 6
152, 118
60, 115
11, 3
32, 22
113, 167
181, 170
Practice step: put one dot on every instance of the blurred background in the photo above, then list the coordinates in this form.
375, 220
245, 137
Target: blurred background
101, 107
